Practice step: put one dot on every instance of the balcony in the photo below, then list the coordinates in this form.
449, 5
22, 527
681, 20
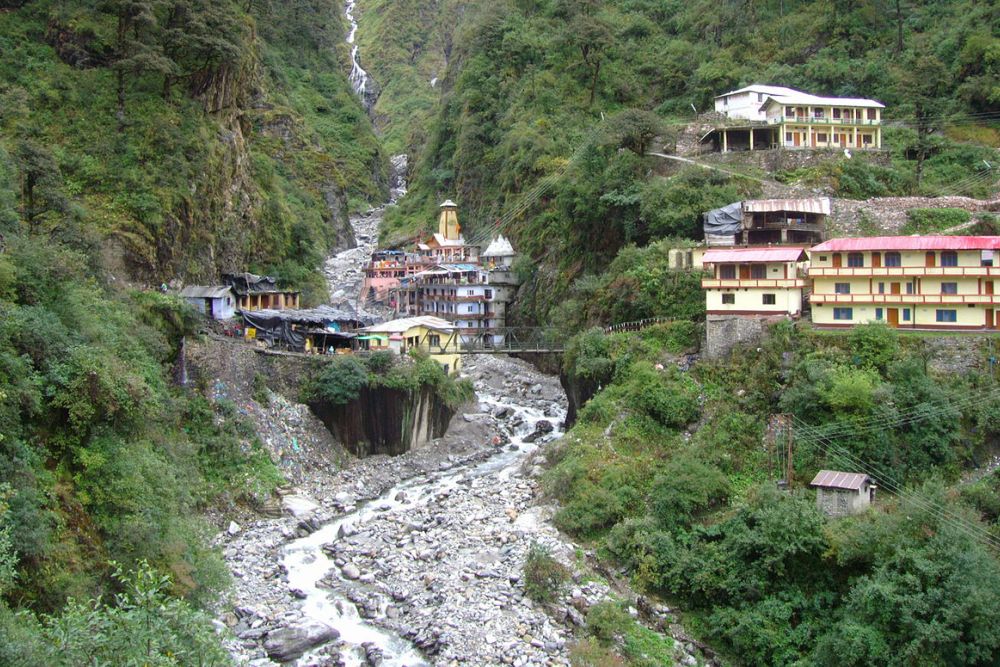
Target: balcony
812, 120
717, 283
915, 271
917, 299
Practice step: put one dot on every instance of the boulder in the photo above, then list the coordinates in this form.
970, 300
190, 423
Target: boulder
289, 643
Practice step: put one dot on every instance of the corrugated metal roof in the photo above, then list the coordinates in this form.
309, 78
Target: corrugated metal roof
834, 479
205, 292
406, 323
763, 88
742, 255
805, 99
910, 243
819, 205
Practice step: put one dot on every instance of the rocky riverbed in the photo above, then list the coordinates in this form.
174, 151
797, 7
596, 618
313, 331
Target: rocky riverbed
418, 559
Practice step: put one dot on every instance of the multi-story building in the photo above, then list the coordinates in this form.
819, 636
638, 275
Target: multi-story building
755, 282
768, 222
917, 282
763, 117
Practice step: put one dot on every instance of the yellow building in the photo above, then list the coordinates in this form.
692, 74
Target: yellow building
914, 282
756, 282
432, 335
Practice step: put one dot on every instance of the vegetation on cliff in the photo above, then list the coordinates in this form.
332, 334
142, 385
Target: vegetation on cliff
560, 89
667, 472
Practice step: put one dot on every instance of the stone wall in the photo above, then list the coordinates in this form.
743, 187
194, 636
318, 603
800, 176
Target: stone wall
887, 215
725, 332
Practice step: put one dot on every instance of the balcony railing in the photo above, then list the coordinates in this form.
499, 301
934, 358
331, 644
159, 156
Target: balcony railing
916, 271
942, 299
813, 120
709, 283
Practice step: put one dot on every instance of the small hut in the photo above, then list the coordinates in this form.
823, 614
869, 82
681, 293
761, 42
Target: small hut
842, 493
216, 302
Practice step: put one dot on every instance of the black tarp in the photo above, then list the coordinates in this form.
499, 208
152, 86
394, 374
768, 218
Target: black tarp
275, 330
724, 221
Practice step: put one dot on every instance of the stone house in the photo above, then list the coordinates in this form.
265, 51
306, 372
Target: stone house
842, 493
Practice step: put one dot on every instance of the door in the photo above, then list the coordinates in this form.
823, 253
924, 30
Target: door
744, 272
893, 314
795, 137
988, 286
990, 320
876, 260
836, 260
894, 288
813, 137
929, 259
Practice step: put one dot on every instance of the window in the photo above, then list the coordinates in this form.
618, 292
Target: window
893, 259
878, 313
434, 340
906, 314
949, 288
836, 113
909, 288
788, 138
842, 288
728, 299
949, 258
843, 313
727, 271
872, 114
760, 97
821, 137
822, 258
855, 259
790, 113
769, 300
947, 316
489, 293
818, 113
758, 271
881, 288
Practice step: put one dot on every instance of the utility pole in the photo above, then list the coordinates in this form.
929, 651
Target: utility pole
779, 441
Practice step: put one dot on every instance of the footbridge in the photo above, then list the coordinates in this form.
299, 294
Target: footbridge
514, 340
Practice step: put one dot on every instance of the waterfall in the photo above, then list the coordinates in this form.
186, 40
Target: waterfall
359, 77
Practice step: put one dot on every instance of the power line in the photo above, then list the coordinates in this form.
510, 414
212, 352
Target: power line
895, 486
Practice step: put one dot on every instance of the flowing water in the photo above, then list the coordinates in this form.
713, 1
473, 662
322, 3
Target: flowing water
308, 565
359, 77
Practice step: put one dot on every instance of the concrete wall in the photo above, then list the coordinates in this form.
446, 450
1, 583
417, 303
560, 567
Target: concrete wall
842, 502
751, 300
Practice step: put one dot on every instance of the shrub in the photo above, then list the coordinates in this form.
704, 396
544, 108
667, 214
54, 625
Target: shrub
874, 345
339, 382
927, 220
544, 576
607, 622
685, 488
381, 362
589, 653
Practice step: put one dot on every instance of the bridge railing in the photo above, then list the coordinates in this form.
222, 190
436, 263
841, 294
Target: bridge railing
637, 325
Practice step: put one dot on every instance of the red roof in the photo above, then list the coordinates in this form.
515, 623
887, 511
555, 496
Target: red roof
753, 255
911, 243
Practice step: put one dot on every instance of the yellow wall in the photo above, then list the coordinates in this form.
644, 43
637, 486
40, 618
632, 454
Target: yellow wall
921, 316
450, 358
787, 301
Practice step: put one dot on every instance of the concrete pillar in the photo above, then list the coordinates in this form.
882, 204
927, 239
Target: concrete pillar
854, 144
878, 137
751, 138
725, 142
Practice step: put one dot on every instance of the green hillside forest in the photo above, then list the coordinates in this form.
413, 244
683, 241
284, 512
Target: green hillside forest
148, 141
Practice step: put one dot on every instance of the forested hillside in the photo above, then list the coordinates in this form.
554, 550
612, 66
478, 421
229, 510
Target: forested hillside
142, 142
667, 473
529, 82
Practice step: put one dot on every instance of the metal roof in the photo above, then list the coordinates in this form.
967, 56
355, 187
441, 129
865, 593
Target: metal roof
319, 315
805, 99
782, 254
833, 479
910, 243
762, 88
447, 203
205, 292
819, 205
407, 323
